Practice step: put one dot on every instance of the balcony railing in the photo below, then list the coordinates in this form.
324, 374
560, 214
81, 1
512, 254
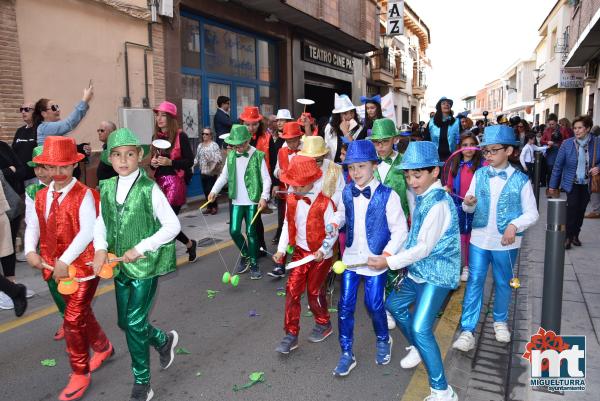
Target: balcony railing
381, 68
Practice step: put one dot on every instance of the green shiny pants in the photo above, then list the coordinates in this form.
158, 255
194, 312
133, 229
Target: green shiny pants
134, 301
249, 246
56, 296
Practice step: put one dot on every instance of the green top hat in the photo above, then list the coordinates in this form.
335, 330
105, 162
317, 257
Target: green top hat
238, 135
121, 137
36, 152
383, 128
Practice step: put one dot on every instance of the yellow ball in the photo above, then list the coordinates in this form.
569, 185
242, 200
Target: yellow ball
515, 282
339, 267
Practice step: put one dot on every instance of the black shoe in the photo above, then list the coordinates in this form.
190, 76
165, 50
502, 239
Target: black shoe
568, 243
141, 392
277, 272
167, 351
242, 266
191, 251
576, 241
20, 301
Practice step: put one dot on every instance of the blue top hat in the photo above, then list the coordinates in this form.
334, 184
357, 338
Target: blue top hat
361, 151
420, 154
500, 135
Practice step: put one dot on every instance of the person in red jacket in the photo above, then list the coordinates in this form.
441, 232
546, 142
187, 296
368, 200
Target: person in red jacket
553, 136
66, 211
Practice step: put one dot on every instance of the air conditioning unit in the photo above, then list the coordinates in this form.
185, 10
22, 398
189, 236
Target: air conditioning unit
138, 120
166, 8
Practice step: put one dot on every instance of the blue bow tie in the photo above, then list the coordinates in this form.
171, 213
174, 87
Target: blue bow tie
366, 192
374, 99
502, 174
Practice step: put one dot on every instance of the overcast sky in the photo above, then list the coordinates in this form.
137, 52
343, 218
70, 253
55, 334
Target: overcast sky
474, 41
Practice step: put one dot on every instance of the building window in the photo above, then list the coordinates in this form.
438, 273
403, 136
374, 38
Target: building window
190, 43
405, 116
229, 53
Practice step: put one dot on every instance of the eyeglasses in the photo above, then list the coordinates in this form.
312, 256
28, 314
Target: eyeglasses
100, 130
25, 109
54, 107
491, 151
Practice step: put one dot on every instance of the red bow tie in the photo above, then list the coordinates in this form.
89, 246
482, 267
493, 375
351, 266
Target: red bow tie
291, 152
304, 198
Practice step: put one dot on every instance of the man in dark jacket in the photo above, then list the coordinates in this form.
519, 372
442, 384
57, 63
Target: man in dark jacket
222, 120
25, 139
104, 170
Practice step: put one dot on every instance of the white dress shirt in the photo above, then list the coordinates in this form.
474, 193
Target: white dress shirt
359, 252
488, 237
30, 215
527, 155
383, 168
302, 210
162, 211
277, 169
434, 225
87, 209
240, 170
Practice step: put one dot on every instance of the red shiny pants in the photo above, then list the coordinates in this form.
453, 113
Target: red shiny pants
311, 276
82, 331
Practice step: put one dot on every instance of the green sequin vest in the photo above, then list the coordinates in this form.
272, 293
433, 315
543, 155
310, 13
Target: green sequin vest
33, 189
131, 222
252, 176
395, 180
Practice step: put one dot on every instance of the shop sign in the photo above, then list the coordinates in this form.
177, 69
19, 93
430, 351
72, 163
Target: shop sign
330, 58
571, 77
395, 18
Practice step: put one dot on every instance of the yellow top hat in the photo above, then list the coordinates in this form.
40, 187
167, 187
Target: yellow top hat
313, 146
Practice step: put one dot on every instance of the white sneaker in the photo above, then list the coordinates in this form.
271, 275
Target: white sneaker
6, 302
390, 320
442, 395
465, 274
412, 359
21, 257
502, 333
465, 342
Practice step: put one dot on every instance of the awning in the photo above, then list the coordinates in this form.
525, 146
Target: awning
588, 45
308, 23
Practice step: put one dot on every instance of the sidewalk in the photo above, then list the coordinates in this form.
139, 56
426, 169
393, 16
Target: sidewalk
194, 225
580, 316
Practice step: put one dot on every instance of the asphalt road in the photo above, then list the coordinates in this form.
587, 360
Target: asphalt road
226, 344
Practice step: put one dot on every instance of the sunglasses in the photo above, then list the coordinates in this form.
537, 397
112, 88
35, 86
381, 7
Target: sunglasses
25, 109
54, 108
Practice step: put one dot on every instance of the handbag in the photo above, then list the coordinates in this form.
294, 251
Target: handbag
16, 204
595, 179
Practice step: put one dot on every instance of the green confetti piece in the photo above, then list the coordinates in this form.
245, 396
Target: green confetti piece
211, 293
48, 362
308, 314
387, 373
281, 293
198, 374
332, 310
255, 377
182, 351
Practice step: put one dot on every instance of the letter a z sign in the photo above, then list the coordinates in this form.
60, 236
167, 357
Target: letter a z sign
395, 18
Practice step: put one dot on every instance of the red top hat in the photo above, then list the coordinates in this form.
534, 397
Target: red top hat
310, 118
251, 114
291, 130
59, 151
303, 170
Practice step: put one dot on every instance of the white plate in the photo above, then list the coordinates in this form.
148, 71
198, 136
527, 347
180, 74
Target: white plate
305, 101
161, 144
224, 136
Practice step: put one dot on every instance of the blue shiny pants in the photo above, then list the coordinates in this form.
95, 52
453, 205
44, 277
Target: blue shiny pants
417, 326
502, 270
374, 290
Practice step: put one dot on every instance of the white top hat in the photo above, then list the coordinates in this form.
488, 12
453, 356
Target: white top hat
342, 103
284, 114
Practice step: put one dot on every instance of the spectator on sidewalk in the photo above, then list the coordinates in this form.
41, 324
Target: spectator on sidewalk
527, 156
25, 140
372, 111
594, 197
553, 137
572, 172
272, 124
444, 129
210, 160
172, 166
46, 116
222, 120
105, 170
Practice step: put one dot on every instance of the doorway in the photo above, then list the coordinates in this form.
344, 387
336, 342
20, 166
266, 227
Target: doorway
322, 90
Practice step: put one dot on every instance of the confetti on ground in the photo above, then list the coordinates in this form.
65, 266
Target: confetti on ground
48, 362
332, 310
198, 374
252, 313
182, 351
211, 293
387, 373
308, 314
281, 293
255, 377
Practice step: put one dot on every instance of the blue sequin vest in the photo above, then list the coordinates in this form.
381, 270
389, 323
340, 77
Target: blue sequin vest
378, 232
509, 203
442, 266
453, 134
